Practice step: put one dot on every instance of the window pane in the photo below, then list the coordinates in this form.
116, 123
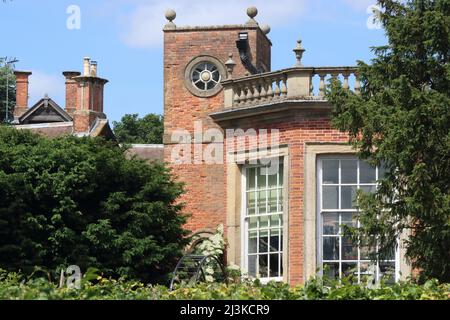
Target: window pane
330, 223
264, 222
330, 248
253, 223
391, 254
262, 197
216, 76
262, 178
263, 270
263, 241
348, 197
367, 173
387, 271
366, 251
369, 189
201, 85
251, 176
330, 173
252, 266
250, 203
210, 85
275, 220
272, 180
274, 265
331, 270
349, 219
350, 269
273, 204
274, 240
252, 242
381, 171
330, 197
366, 271
349, 249
349, 170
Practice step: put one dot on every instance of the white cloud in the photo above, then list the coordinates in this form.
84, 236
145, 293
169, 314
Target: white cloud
143, 27
43, 83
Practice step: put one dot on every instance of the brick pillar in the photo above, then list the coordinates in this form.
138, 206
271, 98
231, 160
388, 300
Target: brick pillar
21, 93
71, 91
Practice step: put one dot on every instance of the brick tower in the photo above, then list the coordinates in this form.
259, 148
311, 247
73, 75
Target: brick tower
196, 60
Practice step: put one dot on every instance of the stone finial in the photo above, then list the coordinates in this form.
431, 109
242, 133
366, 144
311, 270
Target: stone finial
265, 29
252, 12
299, 53
230, 64
46, 99
170, 15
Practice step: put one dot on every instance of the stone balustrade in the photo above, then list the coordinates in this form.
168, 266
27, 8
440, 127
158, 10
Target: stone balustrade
290, 84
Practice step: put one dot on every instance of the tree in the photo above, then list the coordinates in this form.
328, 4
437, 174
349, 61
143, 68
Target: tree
147, 130
80, 201
402, 119
6, 71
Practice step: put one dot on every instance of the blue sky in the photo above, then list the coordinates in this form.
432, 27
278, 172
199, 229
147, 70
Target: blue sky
125, 37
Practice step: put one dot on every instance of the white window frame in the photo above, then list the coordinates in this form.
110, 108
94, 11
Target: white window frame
320, 211
245, 225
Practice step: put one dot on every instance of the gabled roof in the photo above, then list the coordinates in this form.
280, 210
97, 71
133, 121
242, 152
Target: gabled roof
45, 111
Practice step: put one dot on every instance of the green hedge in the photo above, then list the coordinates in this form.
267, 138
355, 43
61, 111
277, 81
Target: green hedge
81, 201
16, 287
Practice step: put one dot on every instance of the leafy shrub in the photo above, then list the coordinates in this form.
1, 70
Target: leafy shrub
132, 129
80, 201
14, 286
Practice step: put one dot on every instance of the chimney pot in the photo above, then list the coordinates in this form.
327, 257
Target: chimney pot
86, 66
94, 68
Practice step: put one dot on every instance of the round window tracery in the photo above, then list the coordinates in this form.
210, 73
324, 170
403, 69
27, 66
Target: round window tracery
205, 76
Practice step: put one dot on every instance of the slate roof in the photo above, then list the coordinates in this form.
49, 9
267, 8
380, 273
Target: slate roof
45, 111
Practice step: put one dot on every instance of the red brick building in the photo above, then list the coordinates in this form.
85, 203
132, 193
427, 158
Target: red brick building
229, 120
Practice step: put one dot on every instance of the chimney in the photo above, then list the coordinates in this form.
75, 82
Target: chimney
71, 91
89, 101
21, 93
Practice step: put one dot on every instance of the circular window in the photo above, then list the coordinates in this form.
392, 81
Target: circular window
203, 76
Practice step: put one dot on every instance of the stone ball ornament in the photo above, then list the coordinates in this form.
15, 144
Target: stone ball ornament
252, 12
265, 29
170, 15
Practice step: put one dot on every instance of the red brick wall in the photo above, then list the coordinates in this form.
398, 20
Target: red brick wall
89, 103
71, 91
205, 184
296, 128
21, 92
